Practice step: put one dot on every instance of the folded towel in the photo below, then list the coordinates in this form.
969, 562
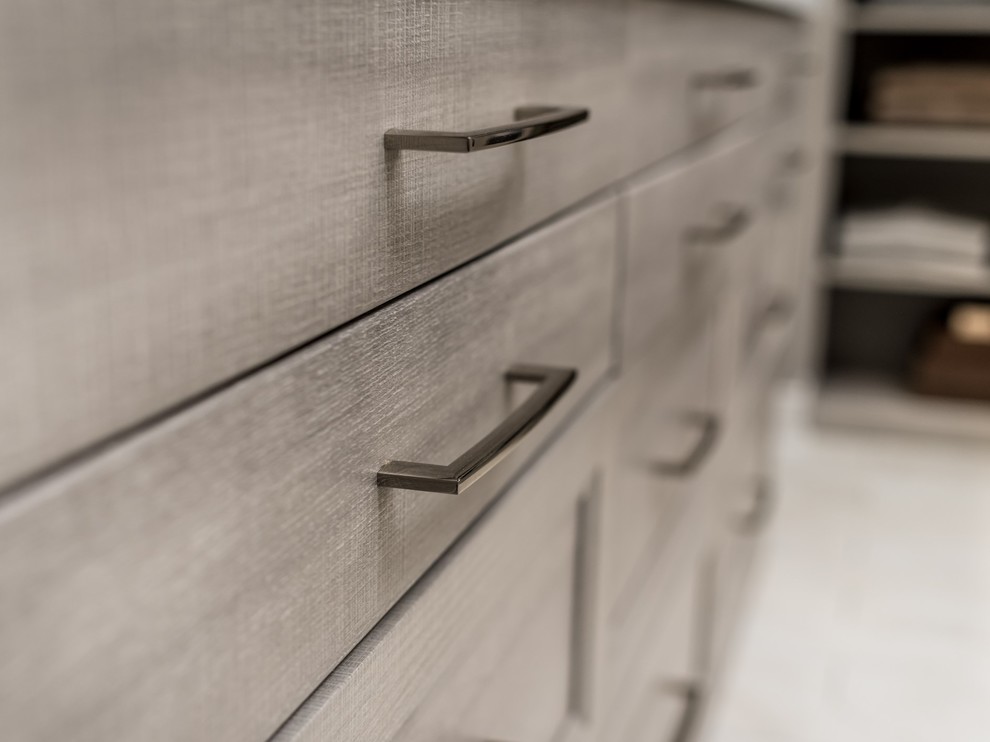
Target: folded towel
914, 232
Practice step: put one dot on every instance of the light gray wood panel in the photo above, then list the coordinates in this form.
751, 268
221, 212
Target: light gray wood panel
198, 581
463, 610
659, 207
658, 641
661, 702
742, 487
728, 267
680, 299
191, 189
655, 426
514, 682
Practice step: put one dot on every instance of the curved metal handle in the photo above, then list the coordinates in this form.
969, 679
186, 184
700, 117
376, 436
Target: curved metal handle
778, 310
732, 221
731, 78
470, 466
690, 711
708, 430
530, 122
758, 515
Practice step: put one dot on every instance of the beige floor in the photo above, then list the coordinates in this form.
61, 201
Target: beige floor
870, 617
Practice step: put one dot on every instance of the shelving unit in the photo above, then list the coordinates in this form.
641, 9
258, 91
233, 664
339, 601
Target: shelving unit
839, 273
915, 142
871, 312
937, 18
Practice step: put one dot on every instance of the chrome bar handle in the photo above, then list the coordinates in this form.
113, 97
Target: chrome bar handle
731, 78
758, 515
691, 712
530, 122
470, 466
708, 431
732, 221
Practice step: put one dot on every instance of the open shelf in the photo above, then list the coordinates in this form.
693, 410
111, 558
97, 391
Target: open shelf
933, 18
893, 278
916, 142
879, 403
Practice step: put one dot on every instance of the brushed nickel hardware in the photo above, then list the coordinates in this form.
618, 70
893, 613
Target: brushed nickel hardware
469, 467
690, 711
708, 430
731, 78
757, 516
776, 311
732, 220
530, 122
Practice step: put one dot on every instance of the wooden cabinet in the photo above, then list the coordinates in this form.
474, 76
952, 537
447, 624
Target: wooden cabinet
249, 535
192, 191
243, 330
483, 646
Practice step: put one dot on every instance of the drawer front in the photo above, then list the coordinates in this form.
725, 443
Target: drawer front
725, 258
658, 77
664, 434
515, 680
726, 83
660, 276
189, 191
243, 547
483, 646
653, 666
742, 509
781, 253
693, 70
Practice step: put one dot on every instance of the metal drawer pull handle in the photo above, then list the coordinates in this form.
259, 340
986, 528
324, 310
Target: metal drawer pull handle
778, 309
690, 712
756, 518
708, 427
736, 78
470, 466
530, 122
733, 221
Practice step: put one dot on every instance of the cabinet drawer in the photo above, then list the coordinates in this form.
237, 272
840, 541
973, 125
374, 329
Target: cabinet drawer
742, 509
190, 191
724, 258
689, 75
653, 664
199, 579
660, 207
483, 646
664, 434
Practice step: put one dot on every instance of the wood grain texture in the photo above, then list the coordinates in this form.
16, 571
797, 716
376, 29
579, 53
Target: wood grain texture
654, 403
675, 294
200, 579
668, 661
659, 638
514, 680
463, 612
188, 190
660, 206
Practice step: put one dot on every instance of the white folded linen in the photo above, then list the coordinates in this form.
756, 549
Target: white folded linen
914, 232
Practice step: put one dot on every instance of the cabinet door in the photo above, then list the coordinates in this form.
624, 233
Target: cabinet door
491, 643
250, 534
654, 678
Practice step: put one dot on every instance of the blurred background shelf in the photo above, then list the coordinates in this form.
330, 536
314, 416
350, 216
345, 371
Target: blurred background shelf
921, 142
934, 18
841, 273
880, 403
